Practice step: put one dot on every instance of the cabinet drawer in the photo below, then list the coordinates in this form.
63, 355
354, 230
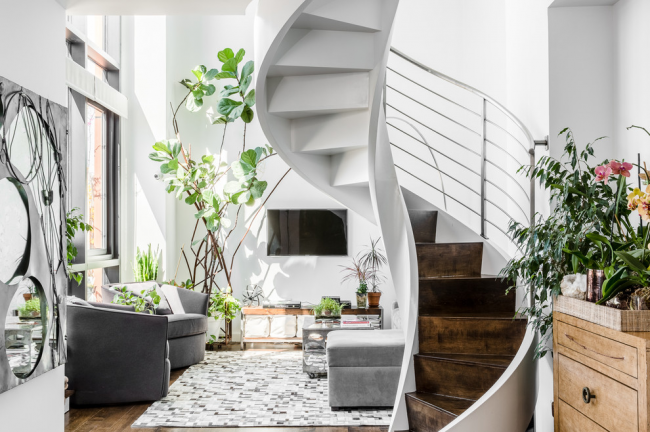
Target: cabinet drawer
614, 407
572, 421
607, 351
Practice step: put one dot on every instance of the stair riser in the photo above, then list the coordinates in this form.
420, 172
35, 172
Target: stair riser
449, 259
468, 381
470, 335
423, 418
478, 295
424, 225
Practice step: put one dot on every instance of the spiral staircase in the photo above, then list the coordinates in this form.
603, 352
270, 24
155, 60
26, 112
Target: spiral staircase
433, 163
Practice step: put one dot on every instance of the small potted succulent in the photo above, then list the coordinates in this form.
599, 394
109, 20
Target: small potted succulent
362, 295
327, 308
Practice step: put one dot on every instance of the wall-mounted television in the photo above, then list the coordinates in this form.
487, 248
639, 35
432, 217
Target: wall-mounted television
307, 232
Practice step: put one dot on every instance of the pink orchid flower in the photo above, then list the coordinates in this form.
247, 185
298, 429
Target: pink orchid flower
603, 172
620, 168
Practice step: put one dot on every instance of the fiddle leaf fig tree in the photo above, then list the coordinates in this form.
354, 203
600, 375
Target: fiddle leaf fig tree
215, 188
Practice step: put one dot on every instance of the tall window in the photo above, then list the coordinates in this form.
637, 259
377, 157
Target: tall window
96, 208
97, 30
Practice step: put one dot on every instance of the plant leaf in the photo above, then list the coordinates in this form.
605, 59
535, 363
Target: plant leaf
250, 98
225, 55
226, 106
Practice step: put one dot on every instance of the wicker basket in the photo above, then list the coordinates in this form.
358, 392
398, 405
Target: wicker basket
616, 319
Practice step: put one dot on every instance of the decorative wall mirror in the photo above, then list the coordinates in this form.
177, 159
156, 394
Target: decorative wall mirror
33, 282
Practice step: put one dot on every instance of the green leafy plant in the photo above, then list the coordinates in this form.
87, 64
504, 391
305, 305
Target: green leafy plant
362, 288
74, 221
587, 219
374, 259
357, 272
146, 264
29, 307
215, 188
224, 306
328, 305
147, 301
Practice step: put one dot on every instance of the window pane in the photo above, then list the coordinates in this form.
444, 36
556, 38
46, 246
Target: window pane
95, 177
96, 30
94, 282
95, 69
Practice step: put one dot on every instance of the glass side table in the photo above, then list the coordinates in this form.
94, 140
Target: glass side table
314, 343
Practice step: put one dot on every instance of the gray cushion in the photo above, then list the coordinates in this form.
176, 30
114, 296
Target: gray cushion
355, 348
186, 325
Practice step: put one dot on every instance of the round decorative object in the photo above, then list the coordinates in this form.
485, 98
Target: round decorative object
587, 396
14, 231
253, 295
26, 331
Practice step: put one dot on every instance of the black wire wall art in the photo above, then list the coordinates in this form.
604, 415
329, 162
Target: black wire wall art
33, 280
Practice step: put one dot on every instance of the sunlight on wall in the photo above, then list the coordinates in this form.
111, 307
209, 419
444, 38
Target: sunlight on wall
146, 229
150, 65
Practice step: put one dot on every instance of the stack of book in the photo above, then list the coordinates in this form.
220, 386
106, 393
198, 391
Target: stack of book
354, 323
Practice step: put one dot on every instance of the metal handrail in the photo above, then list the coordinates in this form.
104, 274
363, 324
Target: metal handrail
485, 121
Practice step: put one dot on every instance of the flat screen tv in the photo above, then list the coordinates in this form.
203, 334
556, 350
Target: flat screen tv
307, 232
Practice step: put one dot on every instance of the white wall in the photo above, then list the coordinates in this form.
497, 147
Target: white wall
33, 55
192, 40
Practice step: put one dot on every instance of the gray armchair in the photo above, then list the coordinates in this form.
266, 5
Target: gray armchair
116, 355
186, 334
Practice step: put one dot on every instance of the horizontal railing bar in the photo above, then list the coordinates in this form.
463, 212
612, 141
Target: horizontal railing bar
508, 195
520, 125
495, 226
506, 131
429, 108
471, 89
432, 186
434, 131
436, 168
513, 179
504, 151
435, 93
434, 149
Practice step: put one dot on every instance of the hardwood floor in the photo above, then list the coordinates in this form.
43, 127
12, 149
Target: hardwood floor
119, 418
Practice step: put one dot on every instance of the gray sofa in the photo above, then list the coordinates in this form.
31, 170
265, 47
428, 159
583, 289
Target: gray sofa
186, 332
116, 355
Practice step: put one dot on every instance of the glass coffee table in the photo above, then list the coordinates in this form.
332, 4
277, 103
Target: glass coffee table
314, 343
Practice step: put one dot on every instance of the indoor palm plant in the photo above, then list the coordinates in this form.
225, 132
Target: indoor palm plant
358, 272
373, 259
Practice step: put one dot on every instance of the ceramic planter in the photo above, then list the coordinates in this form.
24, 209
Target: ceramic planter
595, 280
373, 299
362, 301
214, 328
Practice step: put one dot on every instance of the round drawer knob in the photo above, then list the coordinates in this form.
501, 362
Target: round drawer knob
587, 396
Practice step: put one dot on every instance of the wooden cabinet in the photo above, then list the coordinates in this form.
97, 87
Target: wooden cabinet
600, 377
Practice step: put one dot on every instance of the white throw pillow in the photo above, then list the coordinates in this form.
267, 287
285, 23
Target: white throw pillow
283, 326
256, 326
303, 321
173, 299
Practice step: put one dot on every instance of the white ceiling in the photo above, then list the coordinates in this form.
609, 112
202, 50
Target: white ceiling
578, 3
155, 7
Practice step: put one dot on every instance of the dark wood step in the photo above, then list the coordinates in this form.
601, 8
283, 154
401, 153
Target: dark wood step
457, 378
431, 412
449, 259
494, 335
424, 223
465, 294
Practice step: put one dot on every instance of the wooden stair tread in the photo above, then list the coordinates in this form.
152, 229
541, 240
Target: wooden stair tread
496, 360
470, 277
450, 405
477, 315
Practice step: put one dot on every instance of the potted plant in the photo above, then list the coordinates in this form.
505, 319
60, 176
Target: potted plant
146, 264
362, 295
327, 308
223, 309
359, 273
30, 309
373, 260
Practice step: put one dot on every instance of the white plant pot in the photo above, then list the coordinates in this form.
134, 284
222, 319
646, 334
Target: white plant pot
214, 328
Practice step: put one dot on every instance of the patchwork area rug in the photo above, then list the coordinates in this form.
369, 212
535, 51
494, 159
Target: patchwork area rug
252, 388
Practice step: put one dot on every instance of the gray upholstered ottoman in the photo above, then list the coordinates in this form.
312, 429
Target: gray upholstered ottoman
364, 367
